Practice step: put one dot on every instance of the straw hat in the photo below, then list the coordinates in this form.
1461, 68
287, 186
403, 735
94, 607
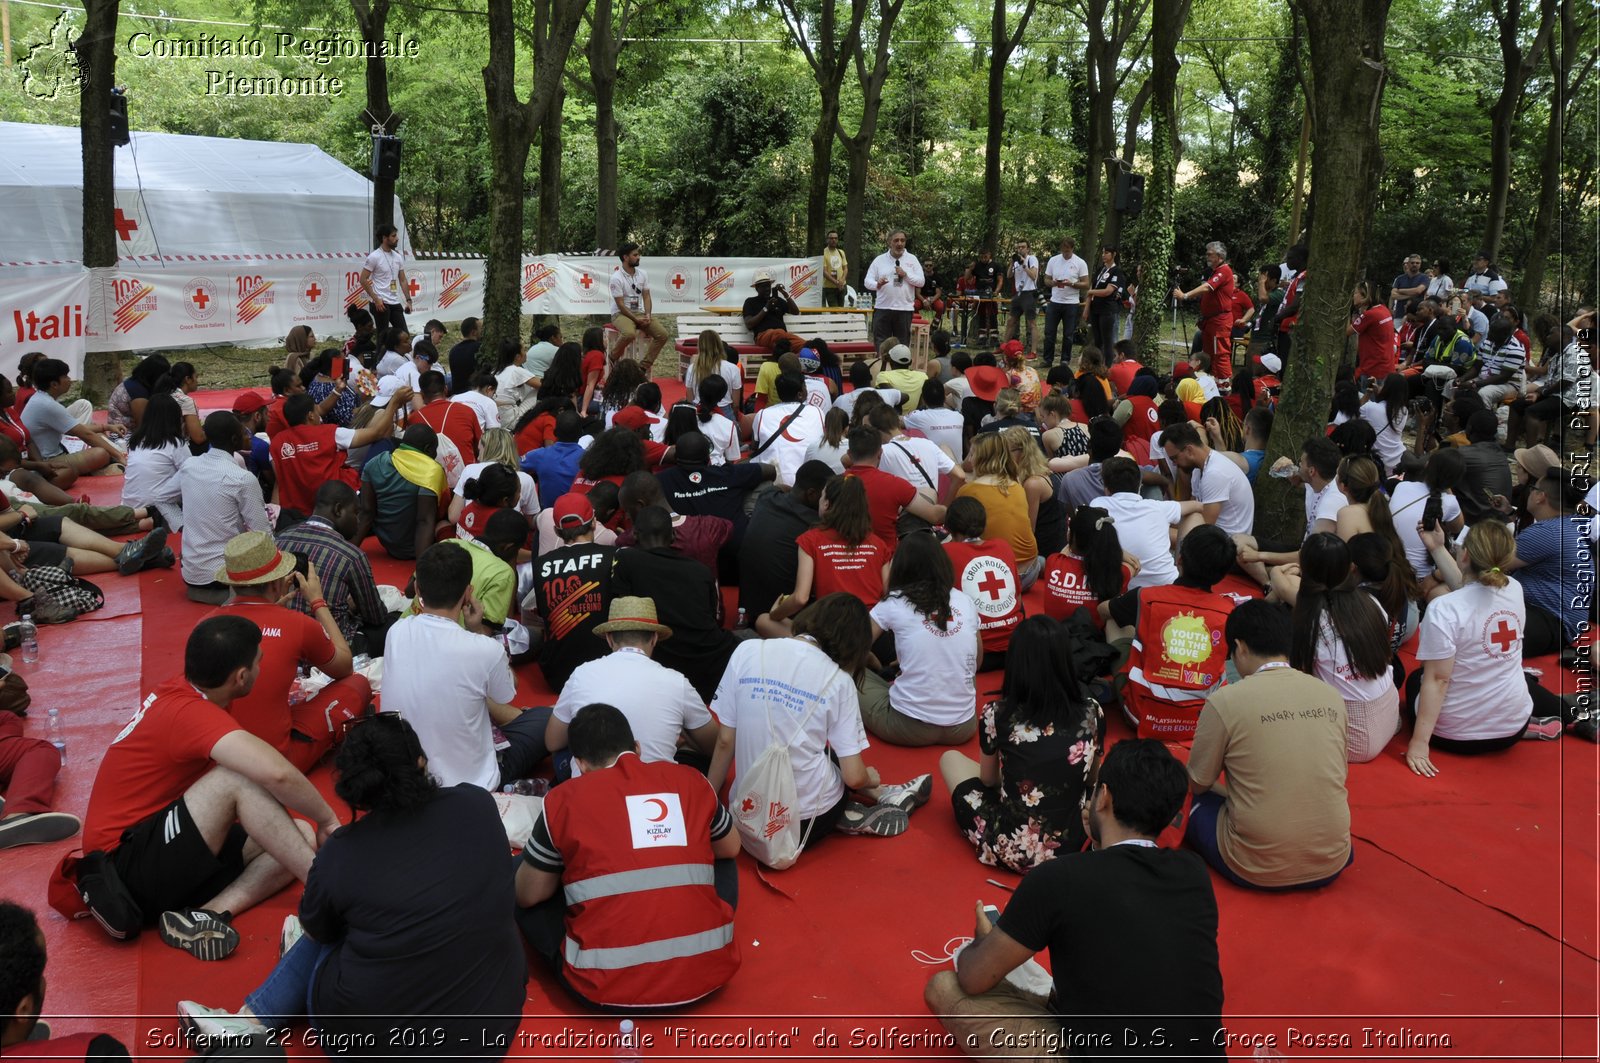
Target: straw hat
253, 558
633, 614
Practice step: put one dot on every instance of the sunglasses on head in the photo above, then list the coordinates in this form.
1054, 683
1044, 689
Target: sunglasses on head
349, 725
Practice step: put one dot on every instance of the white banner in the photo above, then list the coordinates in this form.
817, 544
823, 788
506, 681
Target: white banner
46, 312
153, 302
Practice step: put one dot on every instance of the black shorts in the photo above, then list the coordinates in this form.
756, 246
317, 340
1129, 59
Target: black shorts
165, 862
43, 536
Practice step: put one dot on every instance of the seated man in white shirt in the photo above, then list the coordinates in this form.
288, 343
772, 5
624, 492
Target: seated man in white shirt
480, 396
1318, 472
661, 706
1216, 481
1146, 527
454, 686
783, 432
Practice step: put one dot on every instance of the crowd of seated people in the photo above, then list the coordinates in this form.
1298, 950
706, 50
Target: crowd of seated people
758, 583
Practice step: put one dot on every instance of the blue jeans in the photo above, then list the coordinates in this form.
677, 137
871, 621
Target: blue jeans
286, 994
1064, 314
1201, 834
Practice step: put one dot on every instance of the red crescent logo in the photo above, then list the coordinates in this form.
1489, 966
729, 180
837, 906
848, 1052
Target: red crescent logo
662, 805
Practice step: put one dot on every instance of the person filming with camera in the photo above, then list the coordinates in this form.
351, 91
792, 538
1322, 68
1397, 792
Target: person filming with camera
1025, 294
763, 313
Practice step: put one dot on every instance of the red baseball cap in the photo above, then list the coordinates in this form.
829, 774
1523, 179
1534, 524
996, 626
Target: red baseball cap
249, 403
573, 511
633, 417
987, 381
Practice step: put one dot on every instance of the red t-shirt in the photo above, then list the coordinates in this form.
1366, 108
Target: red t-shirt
24, 393
475, 517
539, 432
987, 572
887, 495
1375, 342
287, 638
161, 752
1066, 586
1142, 424
1122, 375
1289, 296
856, 570
1219, 298
275, 421
12, 428
1241, 305
456, 421
593, 362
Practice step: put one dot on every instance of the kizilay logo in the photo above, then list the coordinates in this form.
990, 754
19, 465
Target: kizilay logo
51, 66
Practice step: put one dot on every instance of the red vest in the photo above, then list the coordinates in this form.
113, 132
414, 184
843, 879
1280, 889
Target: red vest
304, 458
644, 924
987, 573
1178, 655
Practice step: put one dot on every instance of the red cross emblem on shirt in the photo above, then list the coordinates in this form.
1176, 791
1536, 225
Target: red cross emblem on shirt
678, 281
992, 585
412, 288
586, 281
1505, 636
200, 298
313, 293
124, 225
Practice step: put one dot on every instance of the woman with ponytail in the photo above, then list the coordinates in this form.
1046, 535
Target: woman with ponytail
414, 888
1367, 510
1090, 569
711, 360
1341, 636
1471, 694
713, 414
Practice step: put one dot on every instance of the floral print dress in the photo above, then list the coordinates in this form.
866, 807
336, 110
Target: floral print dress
1045, 772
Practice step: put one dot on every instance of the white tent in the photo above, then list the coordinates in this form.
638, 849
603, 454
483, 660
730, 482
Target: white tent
182, 195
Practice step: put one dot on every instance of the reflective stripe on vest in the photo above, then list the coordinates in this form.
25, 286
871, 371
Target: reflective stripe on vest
649, 878
616, 959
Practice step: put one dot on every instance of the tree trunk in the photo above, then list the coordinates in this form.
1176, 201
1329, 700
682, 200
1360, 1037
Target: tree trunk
97, 64
548, 237
821, 167
511, 123
1155, 247
1516, 65
372, 20
603, 51
859, 159
1346, 94
995, 131
1100, 68
828, 56
1566, 86
858, 148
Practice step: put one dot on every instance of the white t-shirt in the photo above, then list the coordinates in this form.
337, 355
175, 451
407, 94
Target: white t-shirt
437, 675
391, 362
487, 409
937, 668
1389, 445
785, 679
1405, 507
880, 279
1065, 268
729, 371
1441, 286
1481, 628
831, 456
630, 289
1220, 480
527, 504
511, 386
1020, 281
847, 401
1208, 386
788, 452
935, 463
724, 436
1324, 504
942, 426
385, 267
1334, 668
1142, 526
817, 396
658, 701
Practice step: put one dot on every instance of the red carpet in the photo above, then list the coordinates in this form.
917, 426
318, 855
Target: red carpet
1470, 910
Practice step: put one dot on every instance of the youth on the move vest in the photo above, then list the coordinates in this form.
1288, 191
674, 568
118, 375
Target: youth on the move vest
1178, 655
644, 923
304, 458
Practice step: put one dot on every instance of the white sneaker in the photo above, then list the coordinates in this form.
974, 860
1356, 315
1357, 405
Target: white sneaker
292, 931
907, 796
215, 1023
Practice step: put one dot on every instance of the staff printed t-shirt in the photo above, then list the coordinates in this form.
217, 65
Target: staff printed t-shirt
935, 684
856, 570
1480, 627
161, 752
768, 689
1066, 587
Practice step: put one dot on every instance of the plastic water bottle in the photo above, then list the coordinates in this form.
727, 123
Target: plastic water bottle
628, 1043
359, 663
30, 639
58, 735
297, 692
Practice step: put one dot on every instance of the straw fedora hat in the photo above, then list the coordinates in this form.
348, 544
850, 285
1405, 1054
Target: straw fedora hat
633, 614
253, 558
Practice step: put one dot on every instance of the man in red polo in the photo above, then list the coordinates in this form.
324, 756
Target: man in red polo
308, 453
261, 576
453, 420
887, 494
1216, 309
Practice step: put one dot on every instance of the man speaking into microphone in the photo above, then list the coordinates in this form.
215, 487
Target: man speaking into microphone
895, 276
